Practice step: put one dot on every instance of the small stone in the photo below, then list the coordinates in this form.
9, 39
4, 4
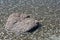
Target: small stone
19, 23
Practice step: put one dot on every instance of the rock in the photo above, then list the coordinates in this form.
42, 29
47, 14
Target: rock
19, 23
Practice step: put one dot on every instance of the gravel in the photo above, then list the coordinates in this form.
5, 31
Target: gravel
46, 11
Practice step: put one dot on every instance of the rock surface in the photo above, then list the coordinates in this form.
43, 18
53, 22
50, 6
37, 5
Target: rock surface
19, 23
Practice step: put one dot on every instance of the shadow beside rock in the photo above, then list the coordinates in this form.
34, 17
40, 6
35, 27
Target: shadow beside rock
35, 28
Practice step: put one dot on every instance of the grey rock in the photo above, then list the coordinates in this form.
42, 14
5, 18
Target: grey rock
19, 23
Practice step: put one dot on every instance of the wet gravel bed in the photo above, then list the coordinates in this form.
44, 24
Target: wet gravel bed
46, 11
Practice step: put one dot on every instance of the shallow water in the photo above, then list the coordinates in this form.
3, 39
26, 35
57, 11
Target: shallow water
46, 11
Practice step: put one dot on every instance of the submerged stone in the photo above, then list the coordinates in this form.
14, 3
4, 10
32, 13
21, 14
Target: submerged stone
19, 23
